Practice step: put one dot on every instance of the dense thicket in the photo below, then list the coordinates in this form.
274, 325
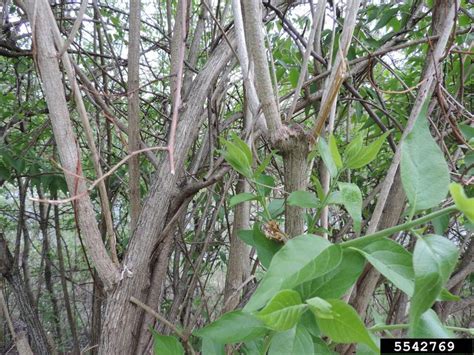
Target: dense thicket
234, 176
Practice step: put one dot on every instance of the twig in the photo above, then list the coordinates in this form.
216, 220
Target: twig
160, 318
179, 80
97, 181
75, 28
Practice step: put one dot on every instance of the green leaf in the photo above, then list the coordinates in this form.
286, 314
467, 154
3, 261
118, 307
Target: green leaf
320, 347
283, 311
386, 17
393, 261
300, 259
293, 77
334, 198
327, 157
265, 247
296, 340
336, 156
335, 283
276, 207
233, 327
210, 347
261, 168
463, 203
440, 224
467, 131
4, 172
244, 148
445, 295
353, 149
242, 197
346, 326
424, 172
166, 345
434, 259
264, 184
320, 308
237, 158
253, 347
367, 154
304, 199
352, 201
429, 326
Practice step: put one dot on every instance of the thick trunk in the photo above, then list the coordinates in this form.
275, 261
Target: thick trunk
39, 14
238, 267
134, 111
122, 319
296, 177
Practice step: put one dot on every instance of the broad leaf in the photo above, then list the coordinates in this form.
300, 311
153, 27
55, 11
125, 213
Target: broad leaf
393, 261
429, 326
304, 199
283, 311
166, 345
276, 207
386, 16
335, 283
301, 259
424, 172
266, 248
320, 308
434, 259
210, 347
463, 203
320, 347
238, 155
264, 184
296, 340
242, 197
253, 347
336, 156
440, 224
244, 148
327, 157
352, 200
237, 158
353, 149
233, 327
368, 153
346, 326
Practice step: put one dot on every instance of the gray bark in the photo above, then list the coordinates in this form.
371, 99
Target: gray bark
134, 111
48, 66
238, 267
11, 273
121, 320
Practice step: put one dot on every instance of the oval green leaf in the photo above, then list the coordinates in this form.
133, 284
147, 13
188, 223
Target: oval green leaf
352, 201
434, 259
233, 327
283, 311
424, 172
346, 327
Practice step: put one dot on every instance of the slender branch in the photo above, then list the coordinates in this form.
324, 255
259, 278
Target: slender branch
160, 318
97, 181
75, 28
177, 63
382, 327
392, 230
